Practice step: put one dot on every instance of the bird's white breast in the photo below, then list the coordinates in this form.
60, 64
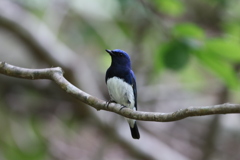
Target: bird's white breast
121, 92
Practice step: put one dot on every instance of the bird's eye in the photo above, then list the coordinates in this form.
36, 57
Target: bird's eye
120, 54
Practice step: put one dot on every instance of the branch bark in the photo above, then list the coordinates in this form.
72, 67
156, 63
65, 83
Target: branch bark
56, 75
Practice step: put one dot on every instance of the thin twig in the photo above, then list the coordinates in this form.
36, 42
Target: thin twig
56, 74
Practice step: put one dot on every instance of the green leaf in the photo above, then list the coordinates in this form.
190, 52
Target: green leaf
171, 7
224, 48
188, 30
176, 55
233, 29
220, 67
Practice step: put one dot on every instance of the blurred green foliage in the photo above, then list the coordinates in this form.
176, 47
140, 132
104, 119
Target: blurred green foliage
24, 141
219, 55
175, 55
188, 30
176, 36
171, 7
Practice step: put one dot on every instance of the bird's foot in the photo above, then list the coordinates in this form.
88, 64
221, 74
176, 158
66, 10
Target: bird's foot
122, 107
110, 101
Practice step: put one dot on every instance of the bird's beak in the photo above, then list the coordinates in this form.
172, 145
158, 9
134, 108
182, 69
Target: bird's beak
109, 51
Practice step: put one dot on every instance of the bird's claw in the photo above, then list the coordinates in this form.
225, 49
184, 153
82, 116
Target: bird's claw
122, 107
110, 101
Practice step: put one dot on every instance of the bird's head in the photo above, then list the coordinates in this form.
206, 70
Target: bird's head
119, 57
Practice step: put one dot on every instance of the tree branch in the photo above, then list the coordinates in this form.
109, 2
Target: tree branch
56, 75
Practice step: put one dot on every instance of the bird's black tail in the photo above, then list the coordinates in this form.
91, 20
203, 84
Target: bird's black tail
134, 131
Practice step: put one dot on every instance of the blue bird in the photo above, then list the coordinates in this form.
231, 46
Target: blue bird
121, 84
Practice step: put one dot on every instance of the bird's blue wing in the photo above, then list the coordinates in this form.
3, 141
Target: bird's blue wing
133, 82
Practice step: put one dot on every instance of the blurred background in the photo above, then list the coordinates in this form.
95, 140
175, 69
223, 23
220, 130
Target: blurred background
184, 53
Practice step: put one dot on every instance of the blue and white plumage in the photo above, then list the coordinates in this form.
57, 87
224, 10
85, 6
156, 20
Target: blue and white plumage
121, 84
